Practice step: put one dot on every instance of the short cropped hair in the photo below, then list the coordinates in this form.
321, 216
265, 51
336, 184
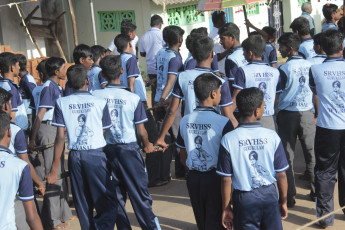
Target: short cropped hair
332, 41
165, 34
53, 64
173, 35
81, 51
270, 31
300, 24
202, 48
230, 30
22, 62
328, 10
200, 30
216, 16
256, 44
127, 26
4, 123
5, 97
248, 100
41, 68
306, 6
111, 67
204, 84
97, 51
290, 40
7, 60
317, 38
121, 42
76, 75
156, 20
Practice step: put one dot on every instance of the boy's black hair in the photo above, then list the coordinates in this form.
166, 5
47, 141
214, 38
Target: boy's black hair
270, 31
165, 34
317, 38
290, 40
248, 100
5, 97
111, 67
173, 35
7, 60
41, 68
81, 51
121, 42
127, 26
328, 10
97, 51
204, 46
217, 15
300, 24
341, 24
53, 64
22, 62
156, 20
200, 30
204, 84
190, 39
230, 30
76, 75
256, 44
4, 123
332, 41
253, 33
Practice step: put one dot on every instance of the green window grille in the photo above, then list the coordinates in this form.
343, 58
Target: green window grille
300, 2
252, 9
184, 15
111, 20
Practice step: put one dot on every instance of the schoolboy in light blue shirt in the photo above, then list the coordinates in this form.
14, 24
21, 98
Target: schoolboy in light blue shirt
258, 74
295, 105
97, 81
127, 118
251, 159
327, 80
300, 26
332, 15
320, 54
199, 139
86, 119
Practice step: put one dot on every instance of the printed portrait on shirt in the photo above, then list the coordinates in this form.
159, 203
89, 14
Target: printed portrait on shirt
337, 96
82, 131
199, 156
257, 172
115, 128
303, 91
263, 87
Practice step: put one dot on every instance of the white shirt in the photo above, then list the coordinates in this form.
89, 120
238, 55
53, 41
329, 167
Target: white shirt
134, 44
218, 48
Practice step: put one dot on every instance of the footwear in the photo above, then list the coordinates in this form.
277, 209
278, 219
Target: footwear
312, 196
322, 225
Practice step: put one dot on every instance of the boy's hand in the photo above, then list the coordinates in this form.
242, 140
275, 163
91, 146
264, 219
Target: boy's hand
227, 218
283, 211
149, 148
31, 146
162, 144
51, 178
42, 189
248, 23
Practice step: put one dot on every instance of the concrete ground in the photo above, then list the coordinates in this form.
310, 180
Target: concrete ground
172, 206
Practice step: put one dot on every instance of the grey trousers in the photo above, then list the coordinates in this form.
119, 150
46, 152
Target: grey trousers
293, 124
55, 208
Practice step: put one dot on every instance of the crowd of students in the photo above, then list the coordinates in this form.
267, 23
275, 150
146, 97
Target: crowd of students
231, 115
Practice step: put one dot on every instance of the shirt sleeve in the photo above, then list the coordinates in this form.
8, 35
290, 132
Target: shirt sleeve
311, 79
177, 91
280, 162
240, 79
224, 166
179, 141
47, 98
191, 64
227, 128
30, 86
140, 114
279, 88
132, 67
14, 100
283, 79
101, 79
174, 65
142, 41
20, 143
58, 119
106, 120
230, 69
272, 58
225, 98
214, 64
26, 192
32, 103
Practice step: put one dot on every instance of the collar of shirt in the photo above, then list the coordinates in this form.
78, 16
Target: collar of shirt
119, 86
249, 125
203, 68
53, 82
307, 39
154, 28
10, 81
82, 92
96, 66
5, 149
294, 57
206, 108
258, 62
320, 55
237, 48
176, 52
330, 59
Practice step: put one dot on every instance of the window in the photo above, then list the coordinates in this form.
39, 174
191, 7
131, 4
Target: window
111, 20
252, 9
300, 2
184, 15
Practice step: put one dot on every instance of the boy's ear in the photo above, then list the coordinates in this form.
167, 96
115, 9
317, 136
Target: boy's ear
122, 70
212, 54
213, 94
81, 60
87, 81
180, 40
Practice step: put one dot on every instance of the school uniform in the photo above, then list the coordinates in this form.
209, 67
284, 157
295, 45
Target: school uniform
18, 106
95, 77
85, 117
184, 89
307, 48
328, 79
252, 155
68, 91
234, 61
200, 134
122, 150
270, 54
318, 59
259, 74
55, 208
329, 26
191, 63
15, 178
26, 85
